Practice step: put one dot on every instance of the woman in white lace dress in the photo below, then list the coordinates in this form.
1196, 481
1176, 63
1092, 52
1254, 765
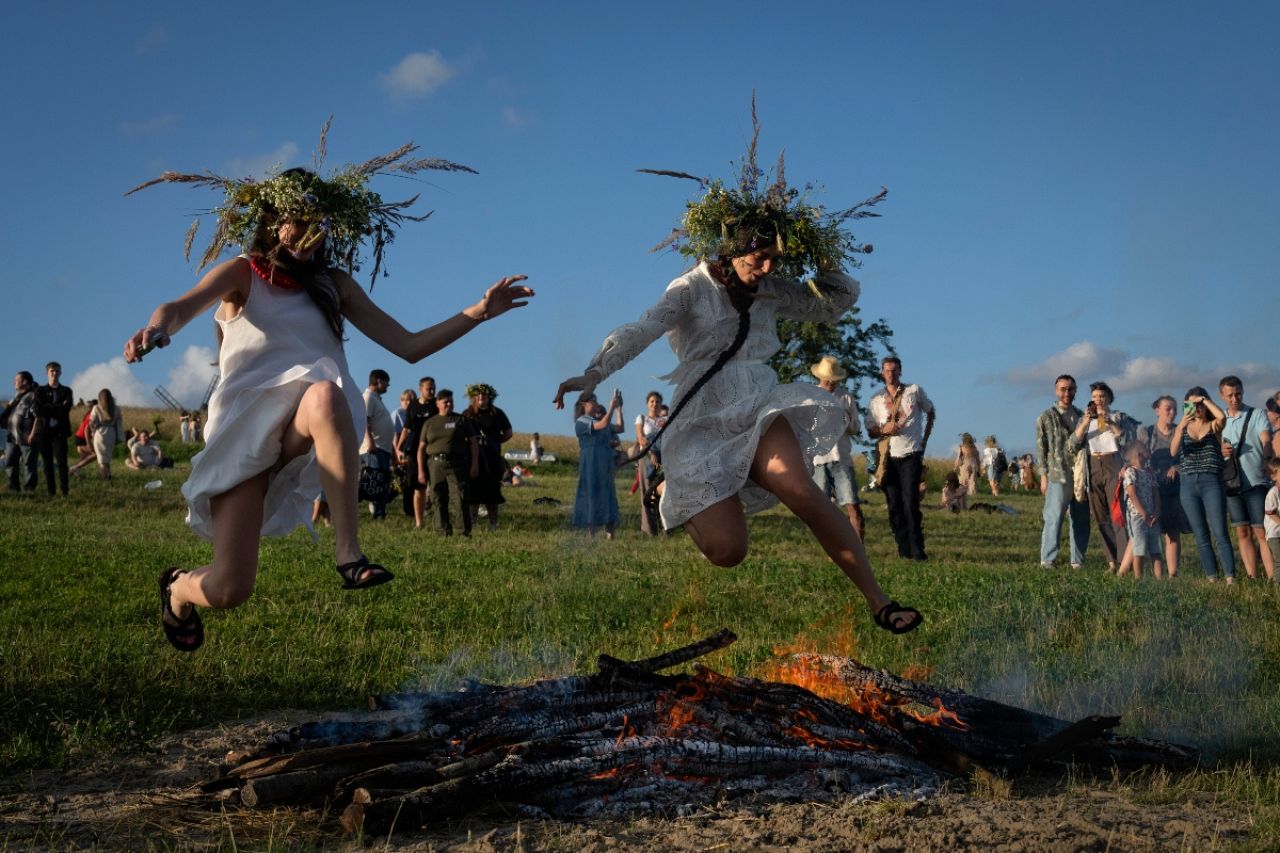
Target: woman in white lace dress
283, 419
738, 441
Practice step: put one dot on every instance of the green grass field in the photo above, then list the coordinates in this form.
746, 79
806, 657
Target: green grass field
84, 668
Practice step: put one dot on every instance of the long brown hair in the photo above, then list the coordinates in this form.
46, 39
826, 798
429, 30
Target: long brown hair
315, 276
106, 406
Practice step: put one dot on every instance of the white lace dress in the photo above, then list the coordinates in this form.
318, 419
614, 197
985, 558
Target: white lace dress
708, 450
278, 345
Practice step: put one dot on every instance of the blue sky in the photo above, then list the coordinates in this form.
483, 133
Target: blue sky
1086, 187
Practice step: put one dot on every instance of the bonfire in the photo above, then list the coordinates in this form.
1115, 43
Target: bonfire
629, 739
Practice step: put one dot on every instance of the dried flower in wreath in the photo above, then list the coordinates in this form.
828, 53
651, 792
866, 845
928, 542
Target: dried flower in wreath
340, 209
729, 218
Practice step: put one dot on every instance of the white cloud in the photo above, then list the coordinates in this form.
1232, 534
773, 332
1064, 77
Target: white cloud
150, 40
147, 127
261, 165
189, 380
418, 75
1138, 376
518, 118
117, 376
1080, 359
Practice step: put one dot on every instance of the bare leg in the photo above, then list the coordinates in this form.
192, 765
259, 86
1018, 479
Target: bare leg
1172, 553
856, 519
228, 580
324, 421
779, 467
1137, 568
1248, 556
720, 532
1260, 537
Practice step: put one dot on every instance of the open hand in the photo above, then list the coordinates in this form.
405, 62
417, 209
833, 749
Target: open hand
504, 295
585, 383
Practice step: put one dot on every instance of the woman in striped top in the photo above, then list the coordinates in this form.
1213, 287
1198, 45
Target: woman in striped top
1196, 444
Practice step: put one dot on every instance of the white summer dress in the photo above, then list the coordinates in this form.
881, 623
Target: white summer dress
708, 449
278, 345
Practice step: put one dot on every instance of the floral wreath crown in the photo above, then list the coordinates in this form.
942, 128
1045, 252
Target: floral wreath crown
482, 388
760, 209
340, 208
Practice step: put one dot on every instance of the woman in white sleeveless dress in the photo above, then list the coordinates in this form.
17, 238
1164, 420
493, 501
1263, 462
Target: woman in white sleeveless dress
286, 417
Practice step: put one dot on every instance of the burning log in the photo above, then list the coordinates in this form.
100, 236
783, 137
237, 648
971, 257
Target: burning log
629, 738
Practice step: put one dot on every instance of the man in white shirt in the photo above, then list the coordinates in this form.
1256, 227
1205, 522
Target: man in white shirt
833, 471
379, 435
904, 414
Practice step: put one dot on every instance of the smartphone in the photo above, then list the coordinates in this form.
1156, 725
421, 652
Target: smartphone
1188, 408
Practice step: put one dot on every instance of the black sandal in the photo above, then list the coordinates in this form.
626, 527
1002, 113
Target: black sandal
885, 620
362, 574
185, 635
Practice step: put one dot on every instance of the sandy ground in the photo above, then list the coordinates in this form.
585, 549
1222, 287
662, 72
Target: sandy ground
145, 801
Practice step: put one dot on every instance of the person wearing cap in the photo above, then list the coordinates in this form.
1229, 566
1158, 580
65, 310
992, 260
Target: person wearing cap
833, 470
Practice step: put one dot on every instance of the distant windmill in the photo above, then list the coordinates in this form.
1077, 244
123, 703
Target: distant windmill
167, 398
213, 383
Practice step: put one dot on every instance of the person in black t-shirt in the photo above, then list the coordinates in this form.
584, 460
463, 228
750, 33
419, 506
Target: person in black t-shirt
417, 498
449, 456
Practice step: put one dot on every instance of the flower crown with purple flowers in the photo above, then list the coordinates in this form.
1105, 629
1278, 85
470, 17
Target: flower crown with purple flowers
760, 209
339, 209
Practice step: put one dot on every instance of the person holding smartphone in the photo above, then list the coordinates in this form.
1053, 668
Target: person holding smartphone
1196, 448
1158, 438
1104, 433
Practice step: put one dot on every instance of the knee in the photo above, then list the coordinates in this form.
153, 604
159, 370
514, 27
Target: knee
725, 552
325, 398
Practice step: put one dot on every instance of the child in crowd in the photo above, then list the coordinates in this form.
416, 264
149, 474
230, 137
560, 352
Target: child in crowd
535, 449
1028, 470
1142, 508
954, 495
1271, 521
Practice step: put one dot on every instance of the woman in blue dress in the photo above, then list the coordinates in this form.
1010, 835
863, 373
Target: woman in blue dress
596, 504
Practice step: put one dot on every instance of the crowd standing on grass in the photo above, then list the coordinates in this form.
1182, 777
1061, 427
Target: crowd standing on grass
285, 417
1161, 481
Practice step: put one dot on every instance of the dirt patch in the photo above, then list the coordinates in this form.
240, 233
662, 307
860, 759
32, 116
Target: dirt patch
146, 800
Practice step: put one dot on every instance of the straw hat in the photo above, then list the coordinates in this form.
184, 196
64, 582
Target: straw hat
829, 369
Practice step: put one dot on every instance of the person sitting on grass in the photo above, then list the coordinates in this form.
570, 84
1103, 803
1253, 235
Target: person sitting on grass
144, 453
955, 496
286, 415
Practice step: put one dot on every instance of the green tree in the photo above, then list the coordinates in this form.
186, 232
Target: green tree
858, 347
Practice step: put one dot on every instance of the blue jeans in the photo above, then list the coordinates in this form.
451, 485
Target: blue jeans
1059, 500
1205, 505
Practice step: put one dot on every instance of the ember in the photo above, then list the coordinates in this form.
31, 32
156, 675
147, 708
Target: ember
629, 739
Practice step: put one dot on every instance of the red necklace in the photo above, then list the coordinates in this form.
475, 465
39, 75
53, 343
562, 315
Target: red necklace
272, 274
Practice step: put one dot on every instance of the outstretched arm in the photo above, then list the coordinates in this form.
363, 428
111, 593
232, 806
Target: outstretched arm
227, 282
386, 331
